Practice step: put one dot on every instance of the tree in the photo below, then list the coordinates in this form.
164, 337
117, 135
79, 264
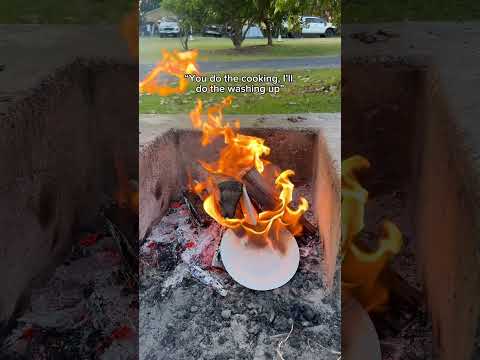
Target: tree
191, 14
272, 13
311, 7
147, 5
268, 16
236, 15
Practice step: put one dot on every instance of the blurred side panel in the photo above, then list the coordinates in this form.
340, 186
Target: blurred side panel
68, 169
410, 107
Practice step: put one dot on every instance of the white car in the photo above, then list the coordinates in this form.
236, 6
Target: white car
168, 28
317, 26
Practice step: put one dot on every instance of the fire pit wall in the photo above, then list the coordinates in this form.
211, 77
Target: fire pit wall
57, 149
413, 141
165, 165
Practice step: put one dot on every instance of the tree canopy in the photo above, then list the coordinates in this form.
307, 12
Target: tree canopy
147, 5
240, 15
235, 14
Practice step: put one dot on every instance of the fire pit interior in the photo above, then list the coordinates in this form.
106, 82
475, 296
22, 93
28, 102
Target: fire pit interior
418, 179
190, 306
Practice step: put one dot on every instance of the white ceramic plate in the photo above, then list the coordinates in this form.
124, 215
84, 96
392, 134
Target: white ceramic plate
259, 268
359, 337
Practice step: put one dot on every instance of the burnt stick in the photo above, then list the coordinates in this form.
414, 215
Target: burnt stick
195, 207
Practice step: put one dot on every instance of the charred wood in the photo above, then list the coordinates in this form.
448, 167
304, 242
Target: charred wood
230, 193
196, 210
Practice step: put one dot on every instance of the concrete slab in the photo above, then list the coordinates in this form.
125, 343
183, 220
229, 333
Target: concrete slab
152, 126
451, 49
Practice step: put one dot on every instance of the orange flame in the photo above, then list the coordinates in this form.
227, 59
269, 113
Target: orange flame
361, 270
174, 63
240, 154
269, 223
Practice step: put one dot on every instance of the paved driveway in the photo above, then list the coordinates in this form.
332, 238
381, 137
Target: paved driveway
317, 62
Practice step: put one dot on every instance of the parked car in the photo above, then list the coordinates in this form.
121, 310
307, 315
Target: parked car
317, 26
309, 26
168, 28
213, 30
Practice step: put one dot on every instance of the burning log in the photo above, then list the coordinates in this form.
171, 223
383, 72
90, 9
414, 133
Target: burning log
403, 308
248, 208
367, 241
265, 197
260, 190
195, 207
230, 193
399, 314
404, 294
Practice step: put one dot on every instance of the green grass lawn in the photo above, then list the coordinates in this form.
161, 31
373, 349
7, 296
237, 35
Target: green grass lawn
212, 49
311, 91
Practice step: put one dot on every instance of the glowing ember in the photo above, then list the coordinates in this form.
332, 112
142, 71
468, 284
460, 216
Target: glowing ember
241, 154
174, 63
361, 269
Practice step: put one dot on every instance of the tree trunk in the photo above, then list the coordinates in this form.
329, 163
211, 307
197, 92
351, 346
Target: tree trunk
184, 39
268, 25
237, 36
237, 43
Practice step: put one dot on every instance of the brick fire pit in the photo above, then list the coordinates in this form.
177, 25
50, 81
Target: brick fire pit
190, 309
